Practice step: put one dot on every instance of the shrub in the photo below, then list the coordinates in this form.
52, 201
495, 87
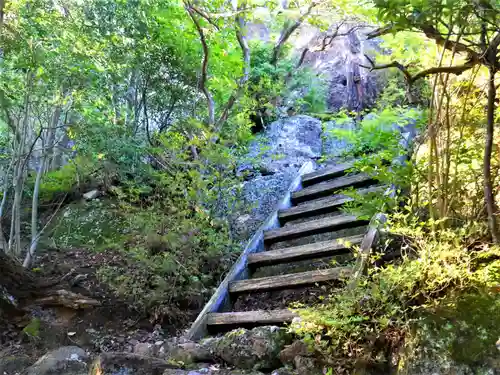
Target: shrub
437, 277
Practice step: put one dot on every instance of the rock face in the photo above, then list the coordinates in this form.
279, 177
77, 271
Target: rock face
67, 360
333, 146
339, 62
256, 349
272, 163
288, 143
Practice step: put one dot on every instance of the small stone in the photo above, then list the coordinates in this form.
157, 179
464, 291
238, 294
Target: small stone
306, 366
284, 371
159, 342
128, 364
298, 348
13, 364
93, 194
188, 352
143, 348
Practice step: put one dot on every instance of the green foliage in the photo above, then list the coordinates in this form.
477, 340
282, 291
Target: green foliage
282, 84
378, 133
437, 275
32, 329
378, 144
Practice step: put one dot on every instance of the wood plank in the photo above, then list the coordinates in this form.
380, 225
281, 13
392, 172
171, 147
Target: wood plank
289, 281
322, 205
258, 317
318, 207
326, 174
313, 250
310, 227
327, 188
239, 270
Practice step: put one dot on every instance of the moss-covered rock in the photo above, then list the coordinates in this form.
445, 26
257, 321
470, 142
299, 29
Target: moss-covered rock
256, 349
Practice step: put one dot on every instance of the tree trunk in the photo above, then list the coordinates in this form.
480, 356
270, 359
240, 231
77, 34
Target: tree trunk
35, 235
3, 242
488, 150
19, 289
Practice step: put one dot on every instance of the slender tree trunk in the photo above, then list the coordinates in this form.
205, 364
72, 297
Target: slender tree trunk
34, 214
3, 242
488, 151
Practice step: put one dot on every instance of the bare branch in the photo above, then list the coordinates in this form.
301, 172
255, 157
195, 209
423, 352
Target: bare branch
456, 70
431, 33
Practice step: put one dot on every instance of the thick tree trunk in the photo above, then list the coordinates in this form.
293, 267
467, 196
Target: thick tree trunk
488, 150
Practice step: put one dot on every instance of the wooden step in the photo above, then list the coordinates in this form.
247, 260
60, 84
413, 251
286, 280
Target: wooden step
289, 281
322, 205
327, 188
326, 174
310, 227
258, 317
313, 250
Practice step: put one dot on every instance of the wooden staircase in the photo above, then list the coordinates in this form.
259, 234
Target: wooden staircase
311, 230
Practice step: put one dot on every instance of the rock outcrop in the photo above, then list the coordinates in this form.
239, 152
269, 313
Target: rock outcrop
67, 360
256, 349
272, 163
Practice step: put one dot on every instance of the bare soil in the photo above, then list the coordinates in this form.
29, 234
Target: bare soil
115, 325
283, 299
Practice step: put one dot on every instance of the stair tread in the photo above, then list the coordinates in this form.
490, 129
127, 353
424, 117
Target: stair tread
288, 281
311, 227
322, 205
325, 188
294, 253
246, 317
326, 173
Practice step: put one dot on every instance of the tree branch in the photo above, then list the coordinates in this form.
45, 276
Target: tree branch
242, 41
205, 16
204, 67
411, 79
288, 31
457, 70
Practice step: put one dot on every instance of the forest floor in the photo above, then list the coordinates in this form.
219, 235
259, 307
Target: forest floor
116, 325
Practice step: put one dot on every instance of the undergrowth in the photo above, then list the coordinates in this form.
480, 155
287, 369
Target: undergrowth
431, 290
443, 290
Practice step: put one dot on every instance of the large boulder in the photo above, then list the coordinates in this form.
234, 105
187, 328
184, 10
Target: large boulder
288, 142
333, 144
255, 349
272, 163
67, 360
260, 197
